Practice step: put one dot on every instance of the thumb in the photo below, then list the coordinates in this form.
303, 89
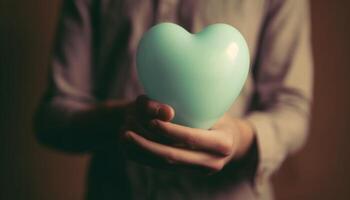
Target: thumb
166, 112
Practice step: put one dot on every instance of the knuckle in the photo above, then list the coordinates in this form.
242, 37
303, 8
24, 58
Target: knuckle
152, 108
149, 104
160, 126
155, 124
190, 141
170, 158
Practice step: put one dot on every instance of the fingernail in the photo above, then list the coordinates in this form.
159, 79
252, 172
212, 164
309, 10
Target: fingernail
162, 113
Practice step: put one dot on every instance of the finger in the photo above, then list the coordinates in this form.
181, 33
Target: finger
135, 125
133, 152
148, 108
213, 141
177, 156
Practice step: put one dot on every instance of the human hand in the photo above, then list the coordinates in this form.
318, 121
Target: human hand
150, 138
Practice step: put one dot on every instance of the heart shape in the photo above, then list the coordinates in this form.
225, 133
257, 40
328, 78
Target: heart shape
199, 75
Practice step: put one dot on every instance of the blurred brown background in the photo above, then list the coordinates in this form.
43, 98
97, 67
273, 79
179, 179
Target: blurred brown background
28, 171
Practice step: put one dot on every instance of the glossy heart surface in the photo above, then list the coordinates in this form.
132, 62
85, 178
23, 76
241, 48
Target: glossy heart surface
199, 75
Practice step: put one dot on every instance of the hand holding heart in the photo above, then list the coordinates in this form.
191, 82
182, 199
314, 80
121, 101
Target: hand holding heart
149, 138
196, 77
199, 75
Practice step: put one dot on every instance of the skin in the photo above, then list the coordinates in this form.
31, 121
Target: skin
145, 134
156, 141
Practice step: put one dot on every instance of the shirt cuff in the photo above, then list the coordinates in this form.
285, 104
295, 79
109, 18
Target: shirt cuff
270, 153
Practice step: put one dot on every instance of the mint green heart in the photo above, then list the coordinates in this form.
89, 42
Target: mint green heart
199, 75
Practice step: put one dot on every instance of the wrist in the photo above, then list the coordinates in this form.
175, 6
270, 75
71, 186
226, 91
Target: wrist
246, 138
115, 112
104, 121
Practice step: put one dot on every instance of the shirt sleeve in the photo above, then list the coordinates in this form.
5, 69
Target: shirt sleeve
72, 61
283, 74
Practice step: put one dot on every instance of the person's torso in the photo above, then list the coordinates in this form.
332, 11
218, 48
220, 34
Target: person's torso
118, 27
